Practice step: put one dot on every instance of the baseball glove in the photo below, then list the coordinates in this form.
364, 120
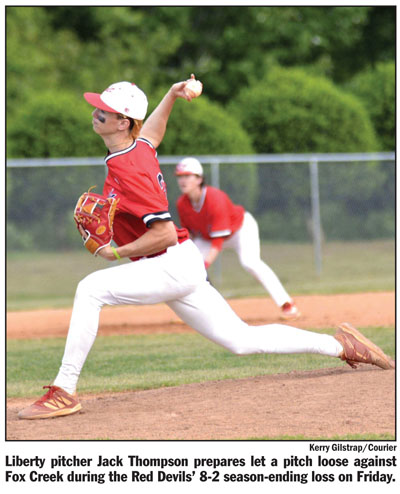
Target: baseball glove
95, 214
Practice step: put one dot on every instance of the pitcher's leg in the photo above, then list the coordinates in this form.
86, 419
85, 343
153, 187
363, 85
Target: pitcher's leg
92, 293
203, 245
148, 281
206, 311
81, 336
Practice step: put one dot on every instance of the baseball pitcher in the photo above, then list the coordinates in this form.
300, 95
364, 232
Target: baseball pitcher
165, 264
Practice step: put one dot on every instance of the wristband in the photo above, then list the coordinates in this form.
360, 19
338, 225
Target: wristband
115, 252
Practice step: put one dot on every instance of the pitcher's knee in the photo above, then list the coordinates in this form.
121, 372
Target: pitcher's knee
251, 268
237, 348
89, 288
240, 351
85, 285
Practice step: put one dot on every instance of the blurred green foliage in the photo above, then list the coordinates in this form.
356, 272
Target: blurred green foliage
86, 48
72, 49
290, 111
376, 88
53, 123
276, 80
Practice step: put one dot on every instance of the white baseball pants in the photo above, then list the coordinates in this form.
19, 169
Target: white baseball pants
246, 243
178, 278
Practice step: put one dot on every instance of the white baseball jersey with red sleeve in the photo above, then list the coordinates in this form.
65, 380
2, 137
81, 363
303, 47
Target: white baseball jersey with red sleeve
134, 177
215, 218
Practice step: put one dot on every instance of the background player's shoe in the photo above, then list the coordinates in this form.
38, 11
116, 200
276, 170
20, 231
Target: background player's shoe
359, 349
55, 403
289, 311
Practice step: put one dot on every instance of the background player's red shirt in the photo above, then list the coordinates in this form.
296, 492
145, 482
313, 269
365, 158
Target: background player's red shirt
216, 217
135, 178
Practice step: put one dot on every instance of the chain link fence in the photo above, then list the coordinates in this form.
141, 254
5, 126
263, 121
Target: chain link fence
300, 199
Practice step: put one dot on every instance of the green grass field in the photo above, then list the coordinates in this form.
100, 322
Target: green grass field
120, 363
48, 280
346, 268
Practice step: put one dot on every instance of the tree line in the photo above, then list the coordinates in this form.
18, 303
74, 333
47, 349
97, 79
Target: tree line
276, 80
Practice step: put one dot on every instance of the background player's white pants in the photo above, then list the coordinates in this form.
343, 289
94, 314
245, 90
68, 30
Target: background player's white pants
179, 279
246, 243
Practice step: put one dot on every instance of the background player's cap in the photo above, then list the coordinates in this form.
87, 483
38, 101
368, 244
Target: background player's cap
121, 97
189, 166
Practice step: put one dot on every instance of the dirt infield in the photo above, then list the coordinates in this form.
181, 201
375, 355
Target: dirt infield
321, 403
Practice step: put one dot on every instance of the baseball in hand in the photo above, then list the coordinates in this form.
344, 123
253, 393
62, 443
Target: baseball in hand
194, 88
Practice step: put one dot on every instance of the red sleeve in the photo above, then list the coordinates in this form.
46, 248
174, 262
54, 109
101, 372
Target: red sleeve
180, 206
220, 217
144, 190
143, 200
217, 243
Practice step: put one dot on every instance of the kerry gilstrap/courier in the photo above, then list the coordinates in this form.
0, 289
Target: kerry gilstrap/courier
353, 447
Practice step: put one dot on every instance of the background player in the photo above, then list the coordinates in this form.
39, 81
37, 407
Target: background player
167, 266
215, 223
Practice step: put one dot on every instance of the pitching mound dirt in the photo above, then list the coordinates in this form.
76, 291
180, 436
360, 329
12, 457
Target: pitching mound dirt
321, 403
